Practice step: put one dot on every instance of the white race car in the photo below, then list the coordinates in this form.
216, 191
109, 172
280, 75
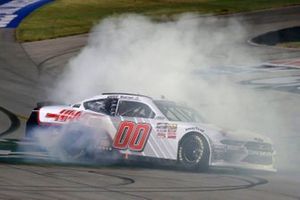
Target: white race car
136, 126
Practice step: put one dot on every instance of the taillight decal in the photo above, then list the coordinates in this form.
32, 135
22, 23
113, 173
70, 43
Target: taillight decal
64, 115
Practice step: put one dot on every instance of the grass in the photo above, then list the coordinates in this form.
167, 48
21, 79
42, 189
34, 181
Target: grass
70, 17
289, 44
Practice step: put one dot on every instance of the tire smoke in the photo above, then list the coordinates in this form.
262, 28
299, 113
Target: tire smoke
131, 53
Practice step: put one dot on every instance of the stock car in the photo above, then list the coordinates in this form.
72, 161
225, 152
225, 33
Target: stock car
137, 126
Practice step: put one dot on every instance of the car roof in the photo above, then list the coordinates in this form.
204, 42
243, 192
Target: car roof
120, 95
124, 93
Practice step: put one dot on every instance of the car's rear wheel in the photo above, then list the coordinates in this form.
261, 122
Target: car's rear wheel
75, 144
80, 143
193, 152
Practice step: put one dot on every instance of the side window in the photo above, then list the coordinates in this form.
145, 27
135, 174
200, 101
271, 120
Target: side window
76, 106
134, 109
106, 106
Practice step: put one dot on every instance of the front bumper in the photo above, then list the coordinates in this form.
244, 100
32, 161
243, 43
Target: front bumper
249, 155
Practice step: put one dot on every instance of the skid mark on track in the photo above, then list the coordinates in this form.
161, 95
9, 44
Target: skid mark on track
81, 188
284, 83
125, 186
248, 183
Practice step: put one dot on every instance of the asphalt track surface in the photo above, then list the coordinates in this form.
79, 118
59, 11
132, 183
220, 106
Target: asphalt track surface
26, 70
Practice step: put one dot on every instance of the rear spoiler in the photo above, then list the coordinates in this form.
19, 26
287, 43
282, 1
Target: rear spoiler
47, 103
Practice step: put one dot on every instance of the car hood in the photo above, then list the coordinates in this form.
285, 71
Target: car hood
239, 135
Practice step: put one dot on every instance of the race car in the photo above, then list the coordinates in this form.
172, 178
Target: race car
137, 126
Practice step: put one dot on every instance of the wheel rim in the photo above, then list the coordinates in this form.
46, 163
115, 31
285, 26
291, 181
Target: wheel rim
192, 149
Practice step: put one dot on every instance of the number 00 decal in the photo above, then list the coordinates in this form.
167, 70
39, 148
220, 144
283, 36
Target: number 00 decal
132, 136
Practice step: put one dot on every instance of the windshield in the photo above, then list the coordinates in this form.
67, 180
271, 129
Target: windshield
176, 112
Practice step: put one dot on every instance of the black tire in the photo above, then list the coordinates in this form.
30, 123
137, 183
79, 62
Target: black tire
193, 153
74, 144
80, 143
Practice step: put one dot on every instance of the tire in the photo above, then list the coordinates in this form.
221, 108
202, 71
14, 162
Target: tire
193, 153
80, 143
74, 145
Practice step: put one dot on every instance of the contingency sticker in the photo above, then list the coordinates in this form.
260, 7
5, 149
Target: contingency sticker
166, 130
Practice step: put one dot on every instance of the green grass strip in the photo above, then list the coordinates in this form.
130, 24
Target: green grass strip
71, 17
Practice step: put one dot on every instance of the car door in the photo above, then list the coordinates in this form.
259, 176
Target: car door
137, 131
100, 115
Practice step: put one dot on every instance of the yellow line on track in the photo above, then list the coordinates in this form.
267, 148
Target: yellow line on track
22, 117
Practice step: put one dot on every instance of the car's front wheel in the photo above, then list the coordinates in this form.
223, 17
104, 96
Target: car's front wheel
193, 152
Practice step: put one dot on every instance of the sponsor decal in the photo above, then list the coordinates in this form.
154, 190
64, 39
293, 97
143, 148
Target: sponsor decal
161, 134
172, 128
194, 129
112, 97
166, 130
161, 130
129, 97
64, 115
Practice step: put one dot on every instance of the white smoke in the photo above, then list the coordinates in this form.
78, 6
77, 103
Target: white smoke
74, 143
131, 53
